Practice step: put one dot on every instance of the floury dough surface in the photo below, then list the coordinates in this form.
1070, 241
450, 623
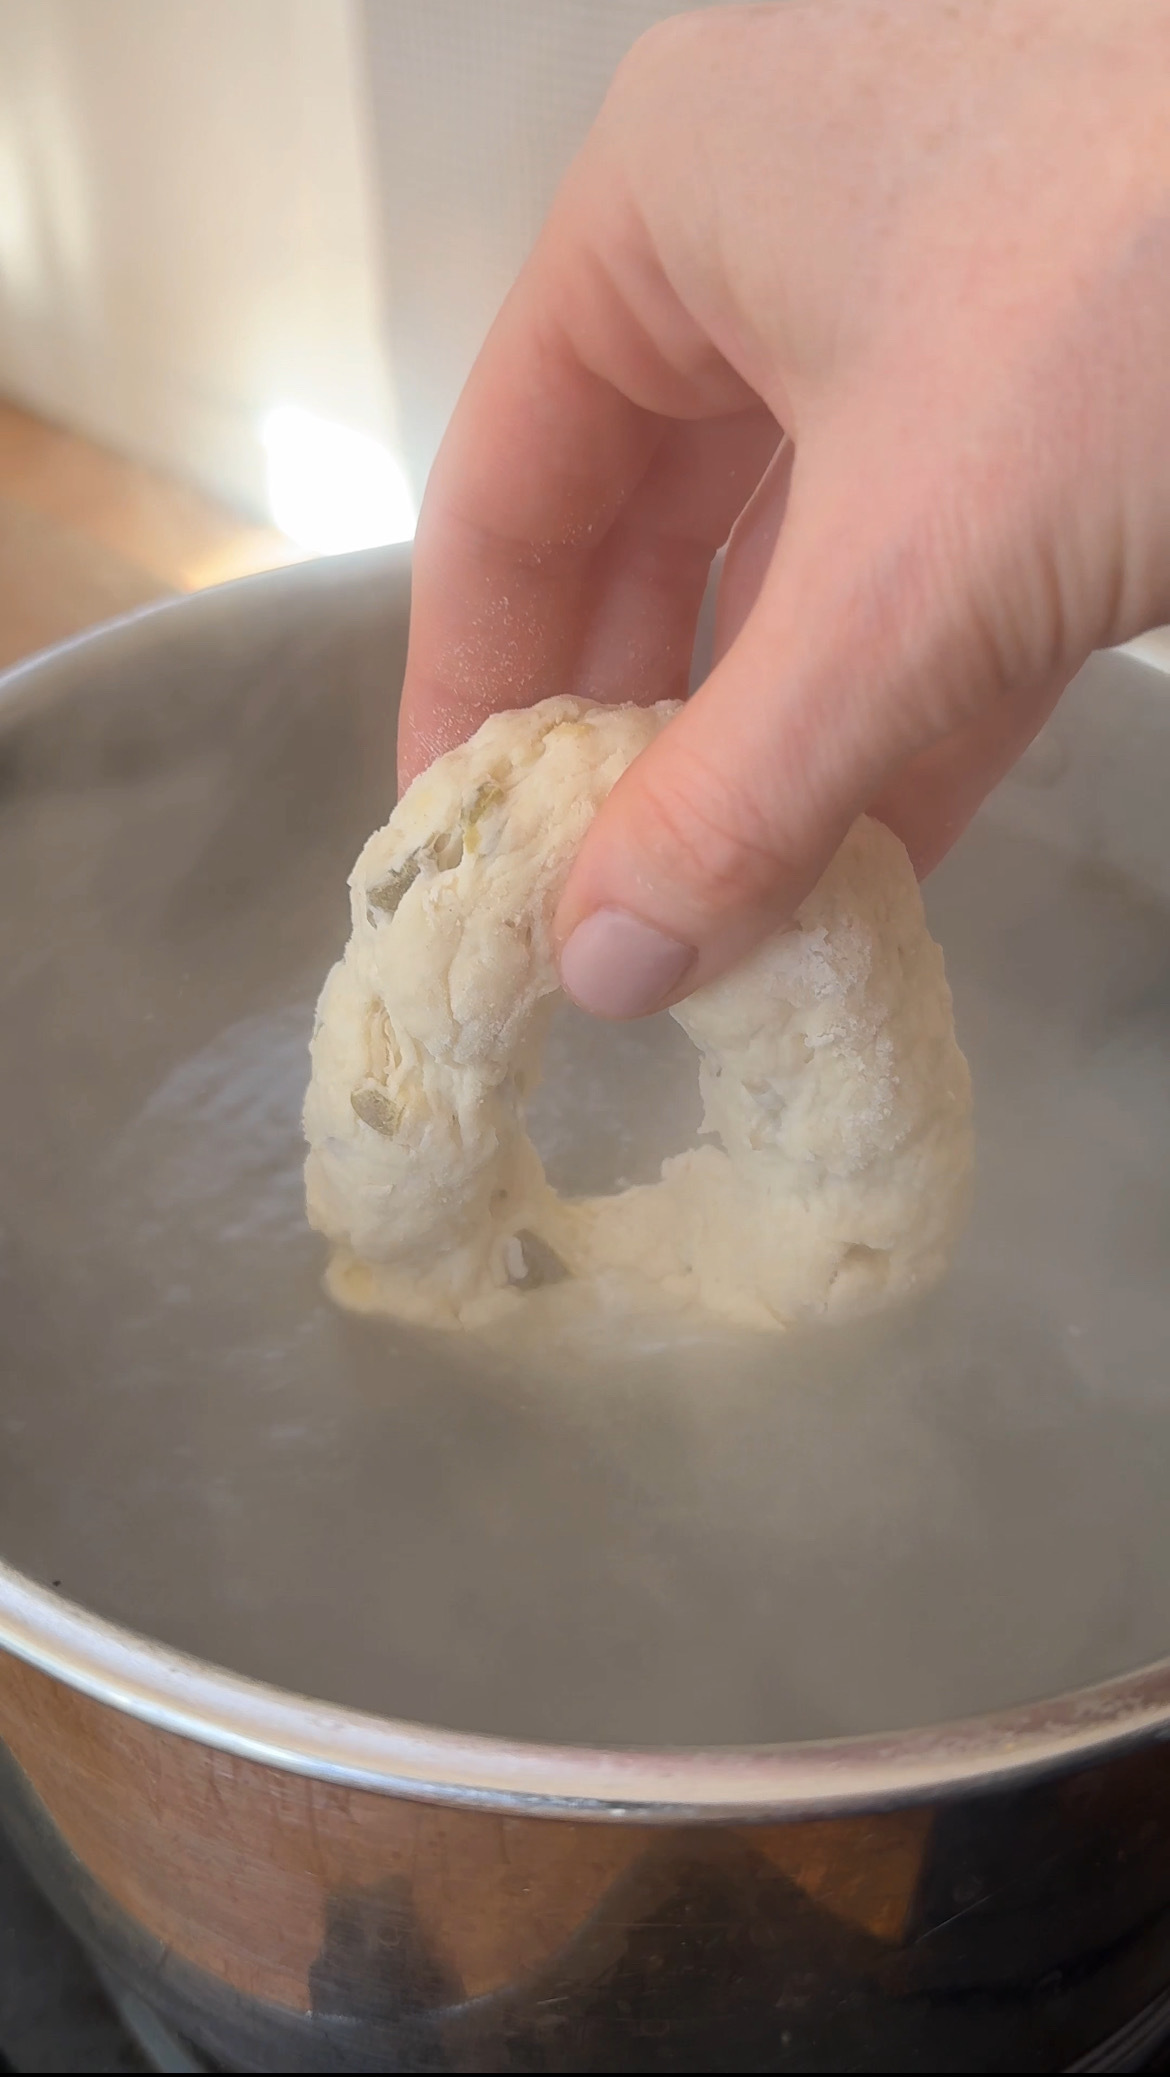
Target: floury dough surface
828, 1066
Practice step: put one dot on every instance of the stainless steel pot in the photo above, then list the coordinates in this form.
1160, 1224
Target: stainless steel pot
680, 1605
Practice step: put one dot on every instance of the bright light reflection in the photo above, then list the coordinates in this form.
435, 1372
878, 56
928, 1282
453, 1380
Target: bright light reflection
331, 489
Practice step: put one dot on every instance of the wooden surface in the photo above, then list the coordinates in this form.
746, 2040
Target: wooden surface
85, 535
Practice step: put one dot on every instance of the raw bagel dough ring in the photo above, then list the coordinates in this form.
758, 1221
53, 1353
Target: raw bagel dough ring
829, 1068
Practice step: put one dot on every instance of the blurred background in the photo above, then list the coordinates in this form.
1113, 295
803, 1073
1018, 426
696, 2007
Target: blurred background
248, 249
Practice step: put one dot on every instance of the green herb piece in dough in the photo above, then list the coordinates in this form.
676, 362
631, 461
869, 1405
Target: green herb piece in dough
389, 892
377, 1110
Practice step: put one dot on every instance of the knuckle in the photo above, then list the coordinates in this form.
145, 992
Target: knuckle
707, 835
653, 55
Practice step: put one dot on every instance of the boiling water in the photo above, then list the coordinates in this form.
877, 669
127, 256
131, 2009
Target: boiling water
577, 1529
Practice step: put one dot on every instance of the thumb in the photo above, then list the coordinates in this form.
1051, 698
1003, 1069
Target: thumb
717, 832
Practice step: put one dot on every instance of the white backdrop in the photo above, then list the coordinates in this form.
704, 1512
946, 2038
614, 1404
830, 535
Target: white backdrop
477, 107
185, 225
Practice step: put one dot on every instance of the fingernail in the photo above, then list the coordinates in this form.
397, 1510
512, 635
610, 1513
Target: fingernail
616, 966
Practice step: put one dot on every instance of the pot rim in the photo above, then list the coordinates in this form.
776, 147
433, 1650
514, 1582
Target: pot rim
193, 1698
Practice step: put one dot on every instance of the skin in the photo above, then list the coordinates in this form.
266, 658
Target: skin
881, 290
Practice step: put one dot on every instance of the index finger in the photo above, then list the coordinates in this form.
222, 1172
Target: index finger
570, 402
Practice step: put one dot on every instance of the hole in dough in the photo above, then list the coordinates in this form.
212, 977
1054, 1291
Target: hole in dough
532, 1262
612, 1102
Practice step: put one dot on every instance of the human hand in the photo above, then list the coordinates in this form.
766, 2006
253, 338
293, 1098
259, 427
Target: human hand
931, 243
